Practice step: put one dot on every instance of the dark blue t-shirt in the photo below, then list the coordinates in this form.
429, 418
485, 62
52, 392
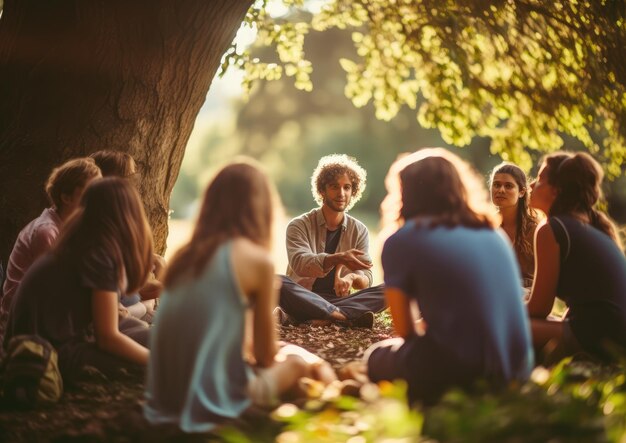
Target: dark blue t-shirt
466, 283
325, 286
592, 282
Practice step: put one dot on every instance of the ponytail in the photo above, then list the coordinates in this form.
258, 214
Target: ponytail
599, 220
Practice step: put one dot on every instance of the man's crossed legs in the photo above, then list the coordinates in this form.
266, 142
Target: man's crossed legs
303, 305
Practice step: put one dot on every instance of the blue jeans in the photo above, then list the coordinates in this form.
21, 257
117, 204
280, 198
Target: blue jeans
303, 305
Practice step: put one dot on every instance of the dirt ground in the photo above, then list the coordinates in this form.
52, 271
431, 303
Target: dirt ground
103, 410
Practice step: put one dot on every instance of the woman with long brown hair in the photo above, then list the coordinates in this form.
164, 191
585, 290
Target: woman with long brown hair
104, 250
509, 193
449, 260
579, 259
214, 350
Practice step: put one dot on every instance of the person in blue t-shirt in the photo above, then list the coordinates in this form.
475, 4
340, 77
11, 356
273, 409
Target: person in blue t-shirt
579, 259
449, 260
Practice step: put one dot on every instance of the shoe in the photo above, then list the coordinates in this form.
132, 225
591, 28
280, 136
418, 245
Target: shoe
282, 318
364, 321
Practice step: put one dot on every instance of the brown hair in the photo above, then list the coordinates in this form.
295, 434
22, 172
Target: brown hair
112, 220
437, 184
239, 202
114, 163
65, 179
577, 178
526, 220
332, 166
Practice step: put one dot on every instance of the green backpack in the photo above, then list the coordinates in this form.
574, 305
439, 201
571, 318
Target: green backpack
31, 372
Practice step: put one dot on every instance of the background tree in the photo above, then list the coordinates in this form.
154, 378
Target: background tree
521, 72
288, 130
81, 75
77, 76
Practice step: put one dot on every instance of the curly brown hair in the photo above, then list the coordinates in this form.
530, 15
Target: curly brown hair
332, 166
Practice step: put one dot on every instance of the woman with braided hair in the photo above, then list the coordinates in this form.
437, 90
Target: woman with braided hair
579, 259
509, 193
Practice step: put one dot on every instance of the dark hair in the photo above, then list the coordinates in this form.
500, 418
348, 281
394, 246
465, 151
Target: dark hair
436, 184
239, 202
526, 220
112, 220
577, 178
332, 166
65, 179
114, 163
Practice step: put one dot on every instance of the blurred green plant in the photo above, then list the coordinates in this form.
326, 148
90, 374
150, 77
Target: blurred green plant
522, 72
572, 402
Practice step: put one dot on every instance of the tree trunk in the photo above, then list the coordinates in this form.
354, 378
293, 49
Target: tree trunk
77, 76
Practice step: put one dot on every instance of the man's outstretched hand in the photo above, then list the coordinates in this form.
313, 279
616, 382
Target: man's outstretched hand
353, 259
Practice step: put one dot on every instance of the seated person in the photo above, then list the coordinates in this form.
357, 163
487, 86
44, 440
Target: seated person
64, 189
221, 287
328, 253
141, 304
509, 193
450, 260
579, 260
70, 295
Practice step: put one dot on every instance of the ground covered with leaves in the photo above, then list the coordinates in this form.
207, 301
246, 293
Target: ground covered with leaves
99, 409
573, 402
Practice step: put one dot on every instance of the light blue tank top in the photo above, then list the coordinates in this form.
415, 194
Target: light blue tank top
196, 373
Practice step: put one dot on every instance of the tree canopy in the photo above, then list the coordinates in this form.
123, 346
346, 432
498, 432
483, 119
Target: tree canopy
522, 72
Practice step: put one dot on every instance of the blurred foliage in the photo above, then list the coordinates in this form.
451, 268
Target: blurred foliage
288, 130
573, 402
521, 72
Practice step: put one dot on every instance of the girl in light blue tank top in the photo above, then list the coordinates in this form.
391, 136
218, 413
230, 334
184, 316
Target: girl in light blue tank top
208, 364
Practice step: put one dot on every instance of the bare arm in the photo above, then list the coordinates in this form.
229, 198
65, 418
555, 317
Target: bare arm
265, 340
547, 268
400, 307
108, 337
255, 274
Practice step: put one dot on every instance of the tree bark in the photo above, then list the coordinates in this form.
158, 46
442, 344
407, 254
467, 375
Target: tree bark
77, 76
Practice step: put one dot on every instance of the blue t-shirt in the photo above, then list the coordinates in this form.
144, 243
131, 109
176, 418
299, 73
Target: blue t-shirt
466, 283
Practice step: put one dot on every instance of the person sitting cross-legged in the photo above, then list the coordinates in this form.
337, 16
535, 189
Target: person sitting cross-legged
328, 253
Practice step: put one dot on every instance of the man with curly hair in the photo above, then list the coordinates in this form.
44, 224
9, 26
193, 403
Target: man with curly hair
329, 277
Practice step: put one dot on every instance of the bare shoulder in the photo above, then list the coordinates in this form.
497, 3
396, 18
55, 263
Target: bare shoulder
252, 266
544, 230
251, 255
